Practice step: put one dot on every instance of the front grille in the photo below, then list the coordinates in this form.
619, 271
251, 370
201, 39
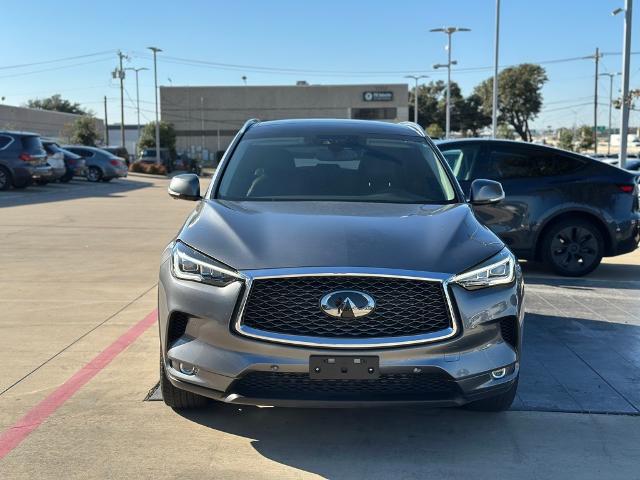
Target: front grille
291, 305
299, 386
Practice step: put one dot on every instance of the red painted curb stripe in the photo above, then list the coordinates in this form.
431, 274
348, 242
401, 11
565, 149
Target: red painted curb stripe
15, 434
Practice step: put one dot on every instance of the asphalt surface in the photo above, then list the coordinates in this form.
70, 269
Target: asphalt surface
79, 349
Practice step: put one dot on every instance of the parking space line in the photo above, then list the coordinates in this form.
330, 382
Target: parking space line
14, 435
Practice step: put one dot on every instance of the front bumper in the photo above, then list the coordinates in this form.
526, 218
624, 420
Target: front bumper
224, 358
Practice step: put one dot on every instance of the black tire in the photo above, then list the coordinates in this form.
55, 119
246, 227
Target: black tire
68, 175
41, 181
498, 403
573, 248
177, 398
107, 180
94, 174
5, 179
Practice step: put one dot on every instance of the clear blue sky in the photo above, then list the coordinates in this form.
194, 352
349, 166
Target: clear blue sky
325, 36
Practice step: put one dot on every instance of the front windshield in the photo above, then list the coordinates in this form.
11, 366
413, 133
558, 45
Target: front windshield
359, 168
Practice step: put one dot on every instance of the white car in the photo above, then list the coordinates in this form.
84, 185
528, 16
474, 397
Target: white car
55, 159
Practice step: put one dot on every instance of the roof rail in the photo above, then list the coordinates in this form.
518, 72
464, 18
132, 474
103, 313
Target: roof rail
415, 127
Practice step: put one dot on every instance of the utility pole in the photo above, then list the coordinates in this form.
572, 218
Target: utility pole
626, 99
595, 103
121, 76
106, 123
449, 31
137, 70
494, 112
610, 75
155, 51
415, 95
202, 126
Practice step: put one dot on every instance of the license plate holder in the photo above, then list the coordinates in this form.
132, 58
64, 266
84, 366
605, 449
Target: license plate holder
347, 367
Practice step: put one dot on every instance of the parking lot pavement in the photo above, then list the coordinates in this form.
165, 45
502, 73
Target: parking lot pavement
78, 277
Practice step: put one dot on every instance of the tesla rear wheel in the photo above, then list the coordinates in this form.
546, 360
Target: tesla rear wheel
498, 403
5, 179
177, 398
94, 174
573, 248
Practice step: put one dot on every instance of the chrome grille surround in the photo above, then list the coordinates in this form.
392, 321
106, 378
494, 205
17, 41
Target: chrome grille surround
344, 343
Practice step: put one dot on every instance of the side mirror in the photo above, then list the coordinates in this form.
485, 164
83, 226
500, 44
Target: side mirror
485, 192
185, 187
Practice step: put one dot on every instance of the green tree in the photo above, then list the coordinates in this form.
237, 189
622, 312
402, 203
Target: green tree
432, 101
519, 96
472, 116
435, 131
83, 131
584, 138
167, 136
505, 131
57, 104
565, 139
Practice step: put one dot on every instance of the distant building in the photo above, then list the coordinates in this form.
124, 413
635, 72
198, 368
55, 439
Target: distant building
207, 118
130, 137
55, 125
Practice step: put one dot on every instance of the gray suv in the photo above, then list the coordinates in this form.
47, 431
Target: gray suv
22, 159
338, 262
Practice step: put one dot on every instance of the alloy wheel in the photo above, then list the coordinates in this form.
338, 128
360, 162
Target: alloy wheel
574, 248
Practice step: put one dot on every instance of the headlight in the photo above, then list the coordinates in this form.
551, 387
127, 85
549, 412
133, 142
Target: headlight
499, 270
189, 264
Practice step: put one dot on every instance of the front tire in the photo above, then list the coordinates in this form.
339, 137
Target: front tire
177, 398
94, 174
573, 248
498, 403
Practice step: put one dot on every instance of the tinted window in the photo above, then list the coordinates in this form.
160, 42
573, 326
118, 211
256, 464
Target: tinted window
81, 151
462, 159
4, 141
32, 145
356, 167
510, 162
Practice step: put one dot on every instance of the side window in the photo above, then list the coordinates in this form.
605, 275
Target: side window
462, 159
83, 153
553, 165
506, 162
4, 141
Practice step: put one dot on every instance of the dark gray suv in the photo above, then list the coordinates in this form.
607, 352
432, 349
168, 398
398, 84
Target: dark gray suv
337, 262
22, 159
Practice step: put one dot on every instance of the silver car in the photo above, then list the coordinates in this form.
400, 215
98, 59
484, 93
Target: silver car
102, 166
337, 262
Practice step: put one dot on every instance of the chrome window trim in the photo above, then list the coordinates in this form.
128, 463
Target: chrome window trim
345, 343
11, 140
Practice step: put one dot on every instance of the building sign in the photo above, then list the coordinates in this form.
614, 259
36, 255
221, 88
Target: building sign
377, 96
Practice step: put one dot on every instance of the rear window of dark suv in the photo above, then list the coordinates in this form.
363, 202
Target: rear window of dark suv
32, 144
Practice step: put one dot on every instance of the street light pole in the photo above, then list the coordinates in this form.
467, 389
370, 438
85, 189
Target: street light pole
415, 95
626, 100
155, 51
137, 98
494, 113
610, 75
449, 31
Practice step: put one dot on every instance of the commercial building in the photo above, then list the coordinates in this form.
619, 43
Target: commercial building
55, 125
206, 118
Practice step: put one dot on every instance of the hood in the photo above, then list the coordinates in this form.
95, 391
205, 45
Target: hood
260, 235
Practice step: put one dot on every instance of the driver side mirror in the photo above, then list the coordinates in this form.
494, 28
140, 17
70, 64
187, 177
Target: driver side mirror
485, 192
185, 187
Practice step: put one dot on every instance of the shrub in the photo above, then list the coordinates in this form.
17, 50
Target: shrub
150, 168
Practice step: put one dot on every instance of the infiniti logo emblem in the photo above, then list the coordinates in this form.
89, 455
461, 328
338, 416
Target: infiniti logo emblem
347, 304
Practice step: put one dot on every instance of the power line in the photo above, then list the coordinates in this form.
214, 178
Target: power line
6, 67
54, 68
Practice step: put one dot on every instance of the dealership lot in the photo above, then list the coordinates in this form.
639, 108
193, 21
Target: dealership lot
79, 271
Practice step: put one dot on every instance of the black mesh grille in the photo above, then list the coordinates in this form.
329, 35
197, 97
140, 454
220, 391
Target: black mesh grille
299, 386
292, 306
177, 326
509, 331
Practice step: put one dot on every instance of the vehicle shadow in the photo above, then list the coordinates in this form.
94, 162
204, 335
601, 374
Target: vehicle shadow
607, 275
569, 365
76, 189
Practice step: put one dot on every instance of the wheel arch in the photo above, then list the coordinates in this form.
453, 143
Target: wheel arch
574, 214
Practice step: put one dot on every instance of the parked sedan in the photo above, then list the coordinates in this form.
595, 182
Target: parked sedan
74, 164
22, 159
562, 208
101, 165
